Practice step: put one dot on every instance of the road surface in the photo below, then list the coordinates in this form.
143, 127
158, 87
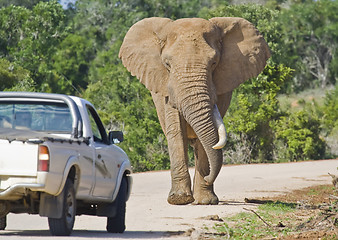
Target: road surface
149, 216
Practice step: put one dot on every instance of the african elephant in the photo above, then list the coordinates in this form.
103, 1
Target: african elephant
191, 67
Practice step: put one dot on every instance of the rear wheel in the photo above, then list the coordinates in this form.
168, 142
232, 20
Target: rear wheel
117, 224
63, 226
3, 222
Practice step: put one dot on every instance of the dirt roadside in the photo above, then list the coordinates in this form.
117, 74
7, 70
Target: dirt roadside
149, 216
234, 184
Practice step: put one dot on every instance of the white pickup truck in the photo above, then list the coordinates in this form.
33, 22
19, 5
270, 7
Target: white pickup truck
56, 160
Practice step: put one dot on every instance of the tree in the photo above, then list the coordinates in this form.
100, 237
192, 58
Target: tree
12, 28
311, 35
14, 77
23, 3
71, 62
30, 37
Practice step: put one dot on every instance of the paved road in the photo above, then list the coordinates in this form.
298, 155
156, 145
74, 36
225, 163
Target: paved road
150, 217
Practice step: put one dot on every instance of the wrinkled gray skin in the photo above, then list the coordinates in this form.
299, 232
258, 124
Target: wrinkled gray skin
191, 67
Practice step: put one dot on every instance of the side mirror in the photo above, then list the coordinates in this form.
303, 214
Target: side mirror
115, 137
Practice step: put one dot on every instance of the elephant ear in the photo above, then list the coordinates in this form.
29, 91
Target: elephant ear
140, 53
244, 53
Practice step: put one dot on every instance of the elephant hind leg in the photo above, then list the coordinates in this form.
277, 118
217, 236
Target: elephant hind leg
203, 193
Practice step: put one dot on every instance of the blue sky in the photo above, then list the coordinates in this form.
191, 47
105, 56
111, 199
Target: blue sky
64, 3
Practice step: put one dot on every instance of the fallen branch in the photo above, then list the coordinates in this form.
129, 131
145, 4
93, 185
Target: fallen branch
257, 201
250, 210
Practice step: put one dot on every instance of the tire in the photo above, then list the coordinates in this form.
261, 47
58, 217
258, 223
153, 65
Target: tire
63, 226
117, 224
3, 222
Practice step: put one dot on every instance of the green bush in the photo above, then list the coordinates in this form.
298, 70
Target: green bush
330, 111
14, 78
261, 132
299, 133
329, 121
254, 106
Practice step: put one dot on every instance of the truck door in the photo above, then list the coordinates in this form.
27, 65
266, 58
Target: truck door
106, 167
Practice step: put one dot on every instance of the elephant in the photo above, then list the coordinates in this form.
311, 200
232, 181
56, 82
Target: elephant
191, 66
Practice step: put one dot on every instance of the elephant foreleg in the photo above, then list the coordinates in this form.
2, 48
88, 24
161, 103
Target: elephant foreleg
203, 193
180, 192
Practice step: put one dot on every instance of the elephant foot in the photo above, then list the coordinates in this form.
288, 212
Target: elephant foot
180, 197
205, 198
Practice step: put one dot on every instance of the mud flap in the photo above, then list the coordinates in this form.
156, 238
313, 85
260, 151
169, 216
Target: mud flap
51, 206
106, 209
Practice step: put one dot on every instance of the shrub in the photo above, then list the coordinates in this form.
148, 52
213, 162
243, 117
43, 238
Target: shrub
330, 121
299, 133
253, 108
330, 111
259, 131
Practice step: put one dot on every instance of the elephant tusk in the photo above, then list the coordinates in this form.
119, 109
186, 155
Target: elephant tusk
222, 134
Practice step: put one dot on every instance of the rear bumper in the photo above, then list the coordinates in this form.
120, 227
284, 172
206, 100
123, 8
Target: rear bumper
20, 188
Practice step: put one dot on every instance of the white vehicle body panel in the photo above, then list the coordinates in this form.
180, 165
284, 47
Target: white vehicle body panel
18, 159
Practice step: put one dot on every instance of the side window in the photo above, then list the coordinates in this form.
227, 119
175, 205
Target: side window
98, 130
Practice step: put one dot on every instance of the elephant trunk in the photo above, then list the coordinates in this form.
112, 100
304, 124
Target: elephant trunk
205, 120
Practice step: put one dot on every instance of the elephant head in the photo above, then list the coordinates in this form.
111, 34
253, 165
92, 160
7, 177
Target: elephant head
190, 62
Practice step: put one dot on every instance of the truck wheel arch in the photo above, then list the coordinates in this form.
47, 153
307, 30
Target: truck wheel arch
124, 172
72, 170
74, 175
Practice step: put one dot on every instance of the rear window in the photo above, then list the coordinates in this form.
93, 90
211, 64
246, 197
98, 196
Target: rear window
37, 116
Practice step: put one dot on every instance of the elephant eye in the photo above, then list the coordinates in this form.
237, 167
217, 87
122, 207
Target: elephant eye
213, 65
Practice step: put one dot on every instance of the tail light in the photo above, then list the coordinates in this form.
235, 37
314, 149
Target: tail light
43, 159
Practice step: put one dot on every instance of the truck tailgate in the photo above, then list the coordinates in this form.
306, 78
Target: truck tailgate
18, 158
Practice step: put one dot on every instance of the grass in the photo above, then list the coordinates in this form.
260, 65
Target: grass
297, 101
247, 225
317, 191
303, 214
